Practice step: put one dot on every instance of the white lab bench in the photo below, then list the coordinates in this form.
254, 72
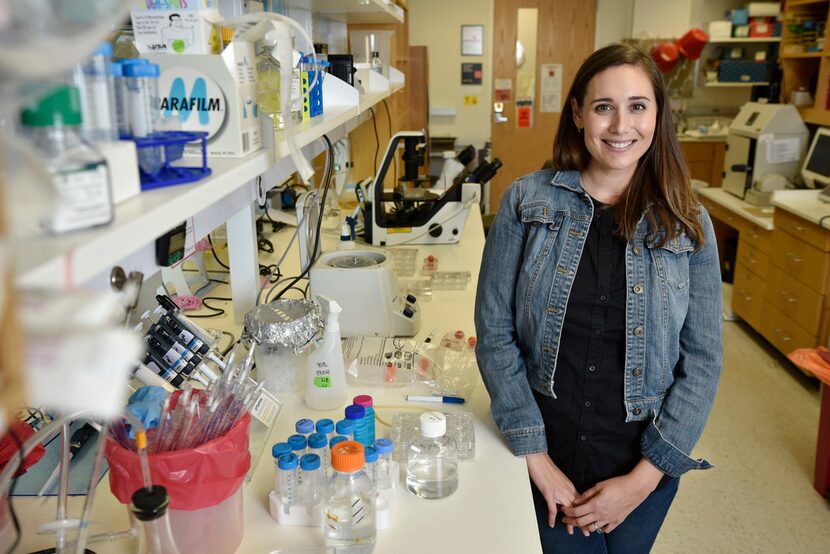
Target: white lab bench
492, 510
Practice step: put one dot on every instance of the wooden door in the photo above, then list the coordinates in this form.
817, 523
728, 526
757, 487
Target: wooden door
565, 35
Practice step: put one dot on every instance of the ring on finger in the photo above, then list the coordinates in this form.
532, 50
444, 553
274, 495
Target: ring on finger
597, 528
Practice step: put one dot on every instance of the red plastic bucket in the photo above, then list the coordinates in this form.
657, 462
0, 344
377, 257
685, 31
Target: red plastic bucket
665, 56
691, 44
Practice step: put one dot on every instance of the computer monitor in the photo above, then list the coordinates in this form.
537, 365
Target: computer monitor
816, 170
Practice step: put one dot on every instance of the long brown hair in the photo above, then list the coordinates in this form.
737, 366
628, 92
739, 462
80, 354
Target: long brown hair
660, 187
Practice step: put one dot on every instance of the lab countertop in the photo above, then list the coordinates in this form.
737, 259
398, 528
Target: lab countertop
805, 204
702, 138
759, 216
491, 512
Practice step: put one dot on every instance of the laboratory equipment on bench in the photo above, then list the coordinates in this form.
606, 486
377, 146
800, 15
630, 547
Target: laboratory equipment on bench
412, 213
363, 283
816, 170
763, 139
432, 461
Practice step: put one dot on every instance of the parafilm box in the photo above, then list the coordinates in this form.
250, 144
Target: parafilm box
212, 93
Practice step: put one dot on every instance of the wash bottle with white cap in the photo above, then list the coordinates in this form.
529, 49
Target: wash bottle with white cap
326, 382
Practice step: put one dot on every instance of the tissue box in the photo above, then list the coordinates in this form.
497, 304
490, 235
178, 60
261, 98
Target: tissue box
720, 29
215, 94
742, 71
176, 31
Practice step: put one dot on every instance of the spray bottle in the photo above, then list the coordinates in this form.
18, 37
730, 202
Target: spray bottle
326, 380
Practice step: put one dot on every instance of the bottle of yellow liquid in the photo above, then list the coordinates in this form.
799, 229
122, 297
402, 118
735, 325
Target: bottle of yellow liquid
268, 80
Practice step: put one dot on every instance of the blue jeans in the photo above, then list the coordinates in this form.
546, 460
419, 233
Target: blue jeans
635, 535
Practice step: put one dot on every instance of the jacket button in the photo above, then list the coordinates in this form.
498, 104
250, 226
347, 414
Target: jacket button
638, 289
536, 223
636, 250
637, 371
638, 331
637, 411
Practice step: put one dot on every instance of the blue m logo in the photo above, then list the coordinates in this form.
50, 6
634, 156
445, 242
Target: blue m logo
178, 100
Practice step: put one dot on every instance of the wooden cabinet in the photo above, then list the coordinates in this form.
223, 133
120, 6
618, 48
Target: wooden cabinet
801, 65
796, 311
705, 160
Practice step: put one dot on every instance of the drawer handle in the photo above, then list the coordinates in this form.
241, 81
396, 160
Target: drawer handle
755, 236
744, 295
793, 258
785, 338
798, 227
786, 296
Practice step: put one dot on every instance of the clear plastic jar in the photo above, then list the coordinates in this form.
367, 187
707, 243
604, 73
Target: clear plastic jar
298, 444
79, 174
288, 479
371, 467
278, 450
349, 511
93, 77
311, 480
383, 472
142, 90
432, 463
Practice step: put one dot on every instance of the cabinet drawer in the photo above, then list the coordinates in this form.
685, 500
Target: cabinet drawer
698, 151
799, 302
719, 212
803, 229
748, 295
800, 260
758, 237
752, 257
784, 334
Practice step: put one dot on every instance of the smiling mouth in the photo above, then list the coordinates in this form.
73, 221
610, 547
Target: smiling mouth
619, 145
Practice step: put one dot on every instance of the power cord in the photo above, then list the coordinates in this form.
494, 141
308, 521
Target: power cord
326, 184
377, 140
213, 251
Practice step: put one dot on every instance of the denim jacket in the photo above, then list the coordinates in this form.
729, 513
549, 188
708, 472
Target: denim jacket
673, 319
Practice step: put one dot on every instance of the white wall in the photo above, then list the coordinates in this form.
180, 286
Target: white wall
437, 24
614, 20
661, 18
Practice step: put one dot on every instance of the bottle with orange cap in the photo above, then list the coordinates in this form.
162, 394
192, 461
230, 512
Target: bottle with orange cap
349, 510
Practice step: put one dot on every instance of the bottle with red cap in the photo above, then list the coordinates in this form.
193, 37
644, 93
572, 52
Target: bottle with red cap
349, 510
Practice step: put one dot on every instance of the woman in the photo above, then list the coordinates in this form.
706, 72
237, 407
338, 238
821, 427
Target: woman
598, 314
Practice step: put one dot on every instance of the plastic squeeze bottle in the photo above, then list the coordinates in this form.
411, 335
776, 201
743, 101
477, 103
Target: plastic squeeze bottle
326, 380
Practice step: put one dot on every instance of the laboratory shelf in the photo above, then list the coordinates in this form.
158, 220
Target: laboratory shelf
733, 85
74, 259
798, 55
735, 40
354, 11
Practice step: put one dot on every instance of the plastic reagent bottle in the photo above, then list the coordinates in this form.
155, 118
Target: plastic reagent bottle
288, 479
298, 444
94, 79
349, 522
432, 463
268, 80
318, 445
278, 450
304, 426
371, 468
345, 427
377, 65
79, 174
141, 85
357, 414
366, 401
311, 482
383, 471
150, 508
337, 440
326, 380
325, 426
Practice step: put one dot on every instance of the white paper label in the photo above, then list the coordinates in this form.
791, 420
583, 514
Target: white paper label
551, 88
783, 150
266, 408
83, 199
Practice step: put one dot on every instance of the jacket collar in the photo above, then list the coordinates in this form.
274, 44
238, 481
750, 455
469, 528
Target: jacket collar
569, 179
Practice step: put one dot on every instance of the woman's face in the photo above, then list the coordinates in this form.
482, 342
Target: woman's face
618, 117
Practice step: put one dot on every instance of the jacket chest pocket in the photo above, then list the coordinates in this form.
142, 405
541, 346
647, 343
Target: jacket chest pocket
672, 261
541, 227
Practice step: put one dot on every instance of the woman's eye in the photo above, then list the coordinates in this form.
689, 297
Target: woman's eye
638, 107
604, 108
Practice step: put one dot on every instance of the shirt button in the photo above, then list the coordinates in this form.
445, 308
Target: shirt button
636, 250
603, 298
583, 437
588, 404
638, 288
637, 411
637, 371
597, 331
592, 368
638, 331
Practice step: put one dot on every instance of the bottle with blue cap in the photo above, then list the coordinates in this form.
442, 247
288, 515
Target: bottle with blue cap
287, 474
371, 458
142, 92
93, 77
318, 444
304, 426
357, 414
384, 477
337, 439
298, 444
311, 480
278, 450
345, 427
325, 426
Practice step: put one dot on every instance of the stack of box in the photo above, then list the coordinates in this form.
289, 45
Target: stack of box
756, 20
